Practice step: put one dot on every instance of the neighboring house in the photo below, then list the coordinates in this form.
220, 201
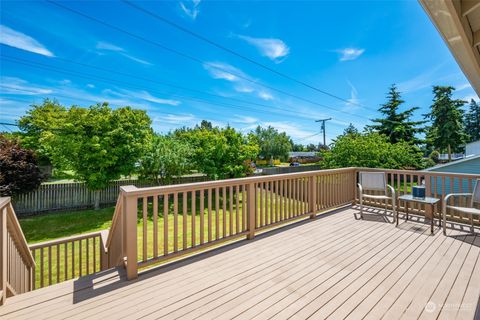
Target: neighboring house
468, 165
303, 157
472, 148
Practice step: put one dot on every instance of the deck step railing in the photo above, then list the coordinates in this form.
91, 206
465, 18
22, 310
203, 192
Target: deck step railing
155, 224
16, 261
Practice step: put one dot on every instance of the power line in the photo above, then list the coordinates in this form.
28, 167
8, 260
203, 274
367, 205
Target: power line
127, 84
149, 80
187, 56
235, 53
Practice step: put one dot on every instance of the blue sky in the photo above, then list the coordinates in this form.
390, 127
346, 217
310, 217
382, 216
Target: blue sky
353, 50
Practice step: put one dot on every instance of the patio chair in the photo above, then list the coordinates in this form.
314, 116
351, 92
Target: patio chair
470, 210
376, 181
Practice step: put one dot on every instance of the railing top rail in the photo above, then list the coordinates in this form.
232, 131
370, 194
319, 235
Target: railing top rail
100, 233
423, 172
134, 191
4, 201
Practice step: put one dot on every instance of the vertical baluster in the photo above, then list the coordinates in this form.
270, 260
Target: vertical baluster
34, 271
175, 222
270, 189
202, 216
244, 207
282, 217
184, 218
277, 206
193, 215
49, 265
80, 257
290, 208
452, 213
165, 223
145, 232
65, 260
461, 200
237, 207
261, 197
58, 263
217, 213
155, 226
42, 273
94, 239
231, 209
87, 250
224, 208
209, 217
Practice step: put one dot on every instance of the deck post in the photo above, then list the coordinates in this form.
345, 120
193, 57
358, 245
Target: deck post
251, 208
3, 255
312, 199
130, 232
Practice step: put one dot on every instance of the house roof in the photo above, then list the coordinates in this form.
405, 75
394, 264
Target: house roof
302, 154
438, 166
458, 22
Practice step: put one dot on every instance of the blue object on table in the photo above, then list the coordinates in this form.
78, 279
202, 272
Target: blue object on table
418, 192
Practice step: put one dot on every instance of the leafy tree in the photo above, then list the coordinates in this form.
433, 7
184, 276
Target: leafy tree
19, 172
472, 121
350, 130
297, 147
41, 122
371, 150
397, 125
165, 158
220, 153
272, 143
100, 144
446, 131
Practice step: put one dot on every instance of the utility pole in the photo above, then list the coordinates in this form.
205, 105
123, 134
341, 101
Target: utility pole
322, 127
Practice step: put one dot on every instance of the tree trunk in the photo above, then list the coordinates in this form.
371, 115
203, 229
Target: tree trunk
96, 195
449, 153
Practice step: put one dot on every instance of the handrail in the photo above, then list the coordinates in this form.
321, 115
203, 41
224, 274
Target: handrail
115, 220
12, 221
134, 191
16, 260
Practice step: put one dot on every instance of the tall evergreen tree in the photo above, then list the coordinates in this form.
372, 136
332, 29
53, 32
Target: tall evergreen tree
350, 130
472, 121
397, 125
446, 131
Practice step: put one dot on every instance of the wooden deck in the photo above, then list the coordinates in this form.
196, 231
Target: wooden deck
332, 267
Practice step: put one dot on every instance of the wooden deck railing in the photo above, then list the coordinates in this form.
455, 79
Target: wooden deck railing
68, 258
198, 215
16, 261
154, 224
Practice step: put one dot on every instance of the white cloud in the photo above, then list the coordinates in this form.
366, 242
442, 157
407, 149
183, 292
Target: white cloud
265, 95
353, 101
17, 86
219, 70
20, 40
178, 119
274, 49
463, 87
145, 95
190, 8
105, 46
350, 53
89, 85
244, 119
242, 82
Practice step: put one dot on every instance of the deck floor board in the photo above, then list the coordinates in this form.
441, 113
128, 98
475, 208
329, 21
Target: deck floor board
333, 267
